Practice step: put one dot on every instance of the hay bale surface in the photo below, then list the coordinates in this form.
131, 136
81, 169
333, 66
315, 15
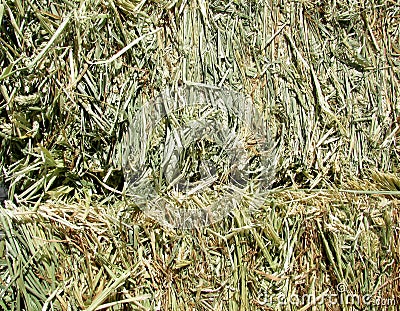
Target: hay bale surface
325, 77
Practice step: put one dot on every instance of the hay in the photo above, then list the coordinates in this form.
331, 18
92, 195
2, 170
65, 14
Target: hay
325, 76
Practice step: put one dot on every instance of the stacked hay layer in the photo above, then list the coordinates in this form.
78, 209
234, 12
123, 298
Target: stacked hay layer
325, 75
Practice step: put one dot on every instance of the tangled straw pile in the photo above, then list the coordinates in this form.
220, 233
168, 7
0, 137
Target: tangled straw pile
324, 74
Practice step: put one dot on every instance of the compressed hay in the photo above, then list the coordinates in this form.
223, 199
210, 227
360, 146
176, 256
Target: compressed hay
325, 78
